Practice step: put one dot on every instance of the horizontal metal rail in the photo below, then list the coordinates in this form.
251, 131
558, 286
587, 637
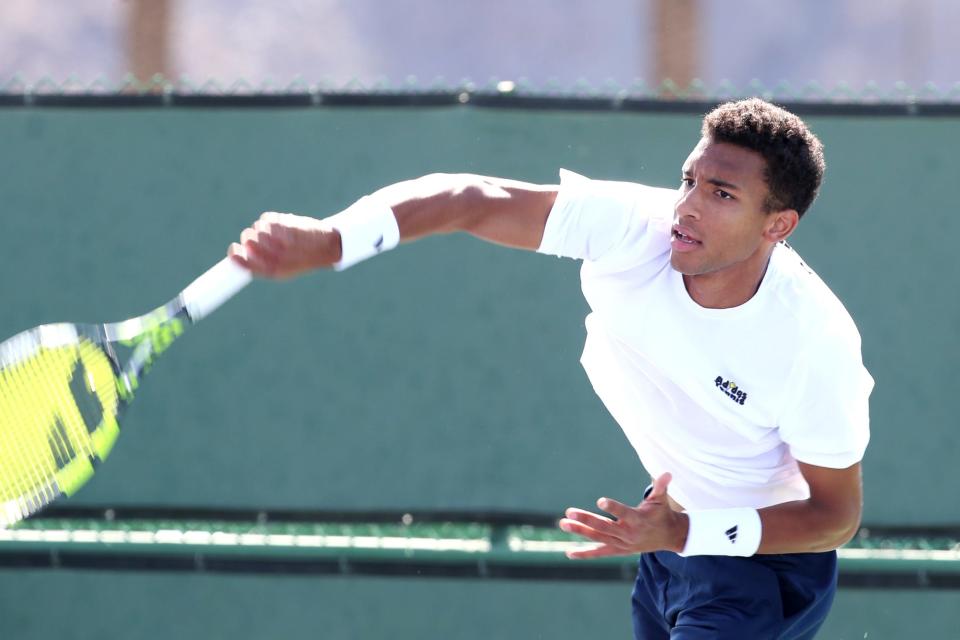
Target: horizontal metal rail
405, 545
462, 98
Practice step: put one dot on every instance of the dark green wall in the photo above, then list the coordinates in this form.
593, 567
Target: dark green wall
443, 374
440, 375
207, 607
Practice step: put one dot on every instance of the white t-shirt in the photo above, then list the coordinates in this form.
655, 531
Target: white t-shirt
727, 400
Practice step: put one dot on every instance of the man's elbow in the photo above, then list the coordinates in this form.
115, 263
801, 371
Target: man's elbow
448, 200
479, 202
844, 528
853, 526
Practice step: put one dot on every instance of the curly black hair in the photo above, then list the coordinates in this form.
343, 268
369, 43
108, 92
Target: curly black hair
794, 156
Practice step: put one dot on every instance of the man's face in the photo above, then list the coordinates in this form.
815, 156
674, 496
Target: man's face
719, 219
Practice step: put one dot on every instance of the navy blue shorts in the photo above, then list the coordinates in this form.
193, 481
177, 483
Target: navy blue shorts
783, 597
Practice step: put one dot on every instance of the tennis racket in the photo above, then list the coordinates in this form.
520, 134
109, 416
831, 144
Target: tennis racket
64, 386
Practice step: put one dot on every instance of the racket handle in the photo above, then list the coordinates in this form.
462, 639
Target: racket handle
214, 287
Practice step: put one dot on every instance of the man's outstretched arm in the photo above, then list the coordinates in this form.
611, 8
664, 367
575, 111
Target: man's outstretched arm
505, 212
826, 520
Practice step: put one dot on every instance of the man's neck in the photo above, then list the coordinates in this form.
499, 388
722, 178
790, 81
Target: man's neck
730, 287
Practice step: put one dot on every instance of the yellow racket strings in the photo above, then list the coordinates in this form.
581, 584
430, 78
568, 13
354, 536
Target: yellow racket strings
46, 447
23, 409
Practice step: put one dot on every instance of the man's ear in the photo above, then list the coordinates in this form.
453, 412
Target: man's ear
780, 224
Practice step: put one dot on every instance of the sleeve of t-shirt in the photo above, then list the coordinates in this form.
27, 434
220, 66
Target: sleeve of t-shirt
828, 422
606, 221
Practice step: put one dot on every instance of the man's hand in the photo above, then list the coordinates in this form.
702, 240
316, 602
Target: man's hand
282, 245
650, 526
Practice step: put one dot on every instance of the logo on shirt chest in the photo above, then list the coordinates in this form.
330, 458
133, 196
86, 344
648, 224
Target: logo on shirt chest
731, 389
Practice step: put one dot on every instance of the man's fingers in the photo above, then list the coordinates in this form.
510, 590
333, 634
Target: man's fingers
272, 216
597, 551
592, 520
604, 536
272, 240
263, 231
265, 237
260, 245
627, 530
611, 506
235, 251
258, 253
660, 485
579, 528
252, 257
587, 517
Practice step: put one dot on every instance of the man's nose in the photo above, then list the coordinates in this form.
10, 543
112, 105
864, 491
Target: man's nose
687, 205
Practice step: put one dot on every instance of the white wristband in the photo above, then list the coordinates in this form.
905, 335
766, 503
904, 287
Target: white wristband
367, 227
723, 532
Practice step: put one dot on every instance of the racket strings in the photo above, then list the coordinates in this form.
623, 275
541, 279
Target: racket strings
48, 445
22, 478
71, 436
25, 387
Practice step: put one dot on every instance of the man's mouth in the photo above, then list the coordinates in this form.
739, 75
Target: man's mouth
684, 236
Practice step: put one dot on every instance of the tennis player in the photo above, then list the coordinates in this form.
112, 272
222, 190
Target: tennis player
733, 370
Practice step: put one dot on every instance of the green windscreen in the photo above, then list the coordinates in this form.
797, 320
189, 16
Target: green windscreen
443, 374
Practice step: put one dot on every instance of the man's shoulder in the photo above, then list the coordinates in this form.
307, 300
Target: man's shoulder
611, 225
820, 314
654, 201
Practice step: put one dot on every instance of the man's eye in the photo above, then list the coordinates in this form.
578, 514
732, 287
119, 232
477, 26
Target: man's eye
686, 182
723, 194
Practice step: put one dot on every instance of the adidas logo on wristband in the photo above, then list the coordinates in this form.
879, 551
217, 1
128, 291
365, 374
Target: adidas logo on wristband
723, 532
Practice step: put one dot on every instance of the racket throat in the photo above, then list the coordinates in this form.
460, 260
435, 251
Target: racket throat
138, 365
155, 334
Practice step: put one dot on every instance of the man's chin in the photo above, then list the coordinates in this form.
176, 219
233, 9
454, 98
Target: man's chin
684, 266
